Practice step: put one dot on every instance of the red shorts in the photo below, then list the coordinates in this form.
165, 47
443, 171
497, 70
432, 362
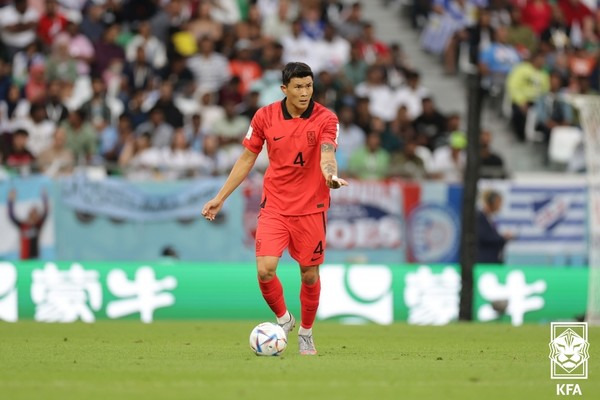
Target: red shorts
303, 235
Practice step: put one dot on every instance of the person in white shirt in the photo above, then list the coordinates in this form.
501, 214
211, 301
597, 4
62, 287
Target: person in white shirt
40, 128
334, 51
449, 161
411, 95
19, 24
380, 95
277, 25
154, 50
210, 68
297, 47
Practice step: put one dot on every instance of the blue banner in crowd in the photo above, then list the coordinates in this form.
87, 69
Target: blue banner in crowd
123, 200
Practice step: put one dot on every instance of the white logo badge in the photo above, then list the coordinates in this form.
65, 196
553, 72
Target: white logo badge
357, 293
569, 350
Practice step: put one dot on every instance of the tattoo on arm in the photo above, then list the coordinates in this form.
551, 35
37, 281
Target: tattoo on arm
330, 167
327, 147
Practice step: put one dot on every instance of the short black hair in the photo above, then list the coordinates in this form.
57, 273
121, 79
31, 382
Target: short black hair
21, 132
295, 70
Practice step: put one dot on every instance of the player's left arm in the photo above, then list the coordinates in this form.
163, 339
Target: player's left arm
329, 137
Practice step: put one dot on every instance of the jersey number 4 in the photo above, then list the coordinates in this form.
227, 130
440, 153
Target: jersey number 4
299, 160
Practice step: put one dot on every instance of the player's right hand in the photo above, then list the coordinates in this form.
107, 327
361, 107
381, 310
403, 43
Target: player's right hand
211, 209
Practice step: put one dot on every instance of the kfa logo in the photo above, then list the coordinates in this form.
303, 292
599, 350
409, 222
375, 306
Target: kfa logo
569, 355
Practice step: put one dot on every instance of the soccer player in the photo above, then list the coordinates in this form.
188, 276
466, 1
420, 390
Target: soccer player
301, 138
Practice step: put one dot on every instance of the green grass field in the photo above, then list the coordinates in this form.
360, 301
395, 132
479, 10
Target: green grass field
212, 360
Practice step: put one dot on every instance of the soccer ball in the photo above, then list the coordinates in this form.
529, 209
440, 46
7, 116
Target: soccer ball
268, 339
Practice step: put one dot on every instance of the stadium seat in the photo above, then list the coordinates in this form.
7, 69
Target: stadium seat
563, 142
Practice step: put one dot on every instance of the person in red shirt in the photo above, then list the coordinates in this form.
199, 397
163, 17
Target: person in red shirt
537, 14
301, 137
52, 23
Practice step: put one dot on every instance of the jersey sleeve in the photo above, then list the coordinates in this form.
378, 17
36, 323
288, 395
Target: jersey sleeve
330, 131
255, 136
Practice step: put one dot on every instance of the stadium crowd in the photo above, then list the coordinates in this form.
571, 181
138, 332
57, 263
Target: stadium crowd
532, 54
165, 89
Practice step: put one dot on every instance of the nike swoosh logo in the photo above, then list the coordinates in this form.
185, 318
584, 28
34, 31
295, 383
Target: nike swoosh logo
315, 259
277, 138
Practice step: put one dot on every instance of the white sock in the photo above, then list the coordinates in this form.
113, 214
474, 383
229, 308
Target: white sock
304, 332
284, 318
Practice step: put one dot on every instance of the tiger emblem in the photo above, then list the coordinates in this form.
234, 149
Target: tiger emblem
569, 350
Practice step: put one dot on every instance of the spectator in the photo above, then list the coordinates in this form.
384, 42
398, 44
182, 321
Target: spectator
154, 50
13, 107
449, 161
165, 102
250, 106
178, 74
496, 62
107, 52
97, 109
370, 162
312, 23
39, 127
18, 23
61, 66
243, 67
351, 137
352, 27
129, 157
231, 128
537, 14
411, 95
355, 71
334, 51
55, 108
194, 134
92, 25
277, 25
520, 35
552, 109
57, 159
205, 25
51, 23
431, 124
80, 47
114, 139
407, 164
491, 165
172, 162
19, 157
139, 73
372, 49
490, 243
526, 82
297, 47
35, 88
24, 60
210, 112
210, 68
381, 97
31, 228
81, 137
160, 132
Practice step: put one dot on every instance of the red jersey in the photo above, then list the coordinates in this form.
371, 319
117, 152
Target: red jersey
293, 183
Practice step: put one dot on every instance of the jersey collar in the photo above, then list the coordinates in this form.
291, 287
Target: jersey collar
306, 114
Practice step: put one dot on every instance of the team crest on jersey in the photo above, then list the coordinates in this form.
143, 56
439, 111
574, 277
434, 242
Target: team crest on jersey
312, 138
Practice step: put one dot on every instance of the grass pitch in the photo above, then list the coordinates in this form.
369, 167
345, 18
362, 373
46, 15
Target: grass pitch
212, 360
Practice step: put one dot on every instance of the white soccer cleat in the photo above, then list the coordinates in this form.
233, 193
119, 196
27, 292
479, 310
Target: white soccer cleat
288, 326
306, 345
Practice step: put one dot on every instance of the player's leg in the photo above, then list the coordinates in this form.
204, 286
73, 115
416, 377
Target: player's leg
272, 237
307, 246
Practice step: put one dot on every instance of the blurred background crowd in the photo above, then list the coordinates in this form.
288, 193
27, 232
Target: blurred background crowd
166, 89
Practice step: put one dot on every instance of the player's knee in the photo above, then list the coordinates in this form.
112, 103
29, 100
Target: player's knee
265, 272
310, 276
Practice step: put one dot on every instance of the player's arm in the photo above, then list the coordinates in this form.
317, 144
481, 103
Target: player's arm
329, 167
238, 173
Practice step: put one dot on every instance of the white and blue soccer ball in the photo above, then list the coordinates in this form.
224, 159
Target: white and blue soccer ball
268, 339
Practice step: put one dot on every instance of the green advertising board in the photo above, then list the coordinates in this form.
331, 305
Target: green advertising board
419, 294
